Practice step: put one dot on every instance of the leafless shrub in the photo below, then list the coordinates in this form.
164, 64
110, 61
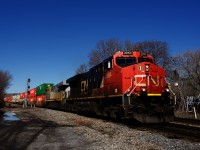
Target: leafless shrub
5, 79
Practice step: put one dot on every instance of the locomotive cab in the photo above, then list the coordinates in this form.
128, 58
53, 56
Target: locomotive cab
136, 73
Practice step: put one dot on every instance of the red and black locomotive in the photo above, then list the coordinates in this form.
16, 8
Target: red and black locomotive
126, 85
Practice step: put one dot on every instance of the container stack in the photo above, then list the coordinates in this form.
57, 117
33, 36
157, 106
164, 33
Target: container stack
41, 93
32, 97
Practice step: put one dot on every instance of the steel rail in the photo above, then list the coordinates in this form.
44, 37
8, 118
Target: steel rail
191, 132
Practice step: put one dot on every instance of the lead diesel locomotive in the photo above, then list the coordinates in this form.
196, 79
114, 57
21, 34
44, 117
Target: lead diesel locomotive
126, 85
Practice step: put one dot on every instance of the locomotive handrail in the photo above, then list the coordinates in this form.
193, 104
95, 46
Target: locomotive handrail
129, 86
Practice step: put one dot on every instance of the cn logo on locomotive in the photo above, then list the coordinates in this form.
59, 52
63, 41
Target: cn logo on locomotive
139, 78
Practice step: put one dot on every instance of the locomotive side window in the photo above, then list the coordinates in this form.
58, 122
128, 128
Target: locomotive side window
124, 62
141, 59
108, 64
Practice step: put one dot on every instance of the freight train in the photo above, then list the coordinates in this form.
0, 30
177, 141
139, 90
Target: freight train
126, 85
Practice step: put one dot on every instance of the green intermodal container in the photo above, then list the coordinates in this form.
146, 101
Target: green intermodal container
42, 89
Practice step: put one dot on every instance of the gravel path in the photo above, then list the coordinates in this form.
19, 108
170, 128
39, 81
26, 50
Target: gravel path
102, 134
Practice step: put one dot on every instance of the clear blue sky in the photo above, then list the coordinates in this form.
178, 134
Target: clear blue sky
47, 40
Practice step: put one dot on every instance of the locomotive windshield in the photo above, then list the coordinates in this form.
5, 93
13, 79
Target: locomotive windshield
142, 59
124, 62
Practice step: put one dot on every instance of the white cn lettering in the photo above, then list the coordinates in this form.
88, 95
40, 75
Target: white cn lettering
149, 78
139, 78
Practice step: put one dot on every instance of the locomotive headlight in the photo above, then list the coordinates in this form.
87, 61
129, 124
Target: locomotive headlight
167, 90
143, 89
147, 68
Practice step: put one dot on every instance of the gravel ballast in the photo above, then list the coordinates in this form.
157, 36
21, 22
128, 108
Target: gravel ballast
92, 133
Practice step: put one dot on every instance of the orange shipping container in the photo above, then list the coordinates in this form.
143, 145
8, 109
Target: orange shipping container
8, 99
32, 92
41, 98
40, 101
32, 99
23, 95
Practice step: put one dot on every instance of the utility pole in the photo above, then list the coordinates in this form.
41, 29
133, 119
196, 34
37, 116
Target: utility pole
27, 92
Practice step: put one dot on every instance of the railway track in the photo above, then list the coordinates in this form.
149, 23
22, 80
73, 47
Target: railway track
195, 122
174, 129
177, 130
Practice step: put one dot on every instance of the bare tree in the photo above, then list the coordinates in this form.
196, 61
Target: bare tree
128, 45
5, 79
103, 50
188, 65
82, 69
158, 49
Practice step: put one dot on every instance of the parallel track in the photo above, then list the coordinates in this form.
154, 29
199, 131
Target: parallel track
195, 122
178, 130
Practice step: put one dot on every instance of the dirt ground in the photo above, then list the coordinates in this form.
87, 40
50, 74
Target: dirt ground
46, 129
31, 132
